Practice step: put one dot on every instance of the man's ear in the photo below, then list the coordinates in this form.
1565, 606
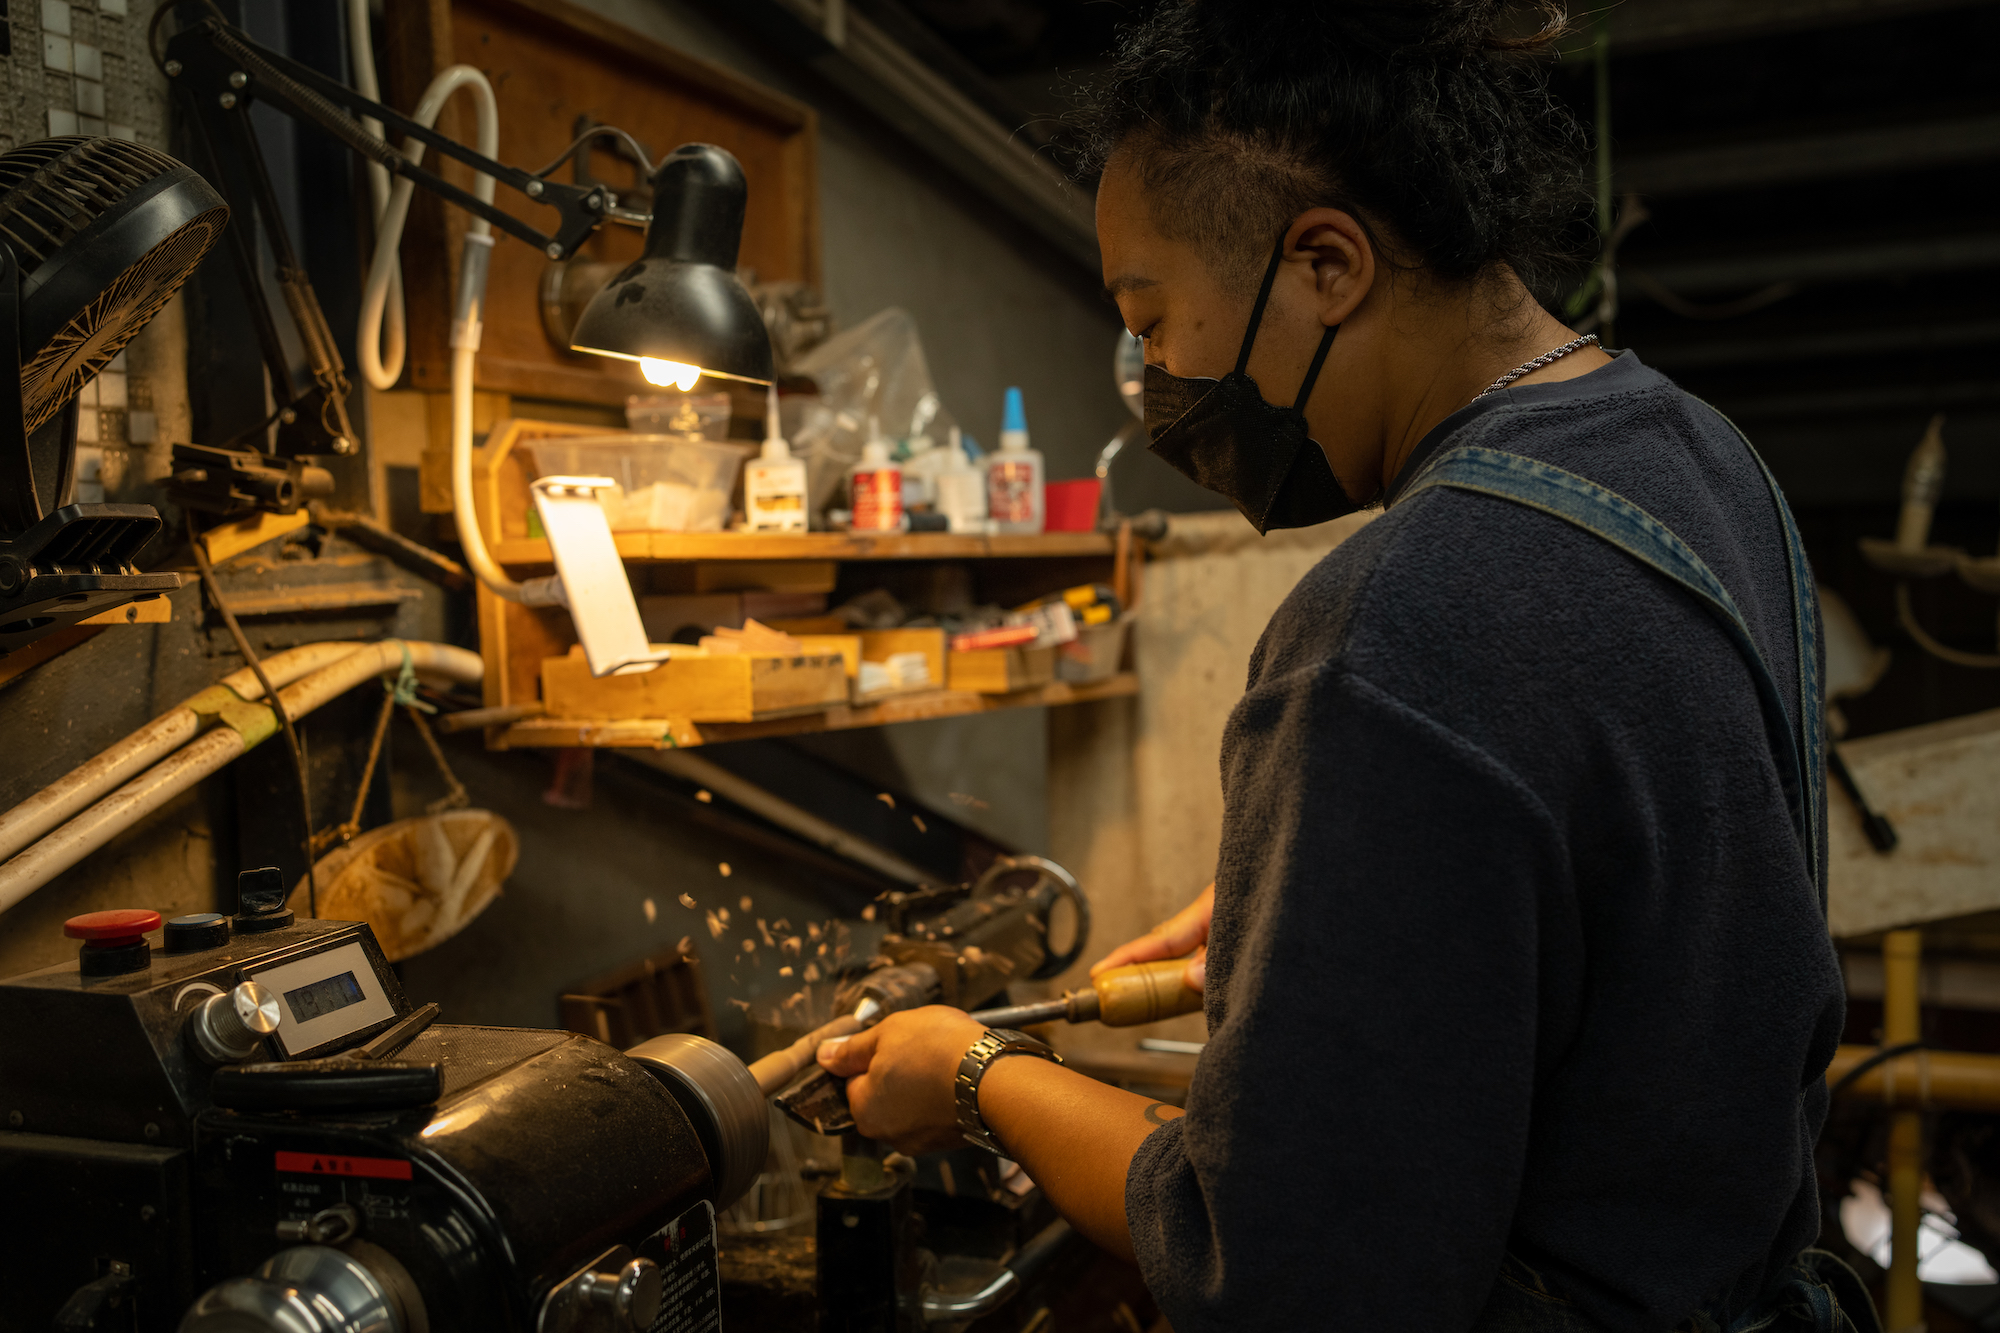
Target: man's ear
1341, 255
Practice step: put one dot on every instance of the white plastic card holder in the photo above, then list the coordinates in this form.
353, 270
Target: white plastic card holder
595, 588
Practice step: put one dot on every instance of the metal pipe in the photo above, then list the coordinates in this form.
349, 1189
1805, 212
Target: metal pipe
1922, 1080
61, 799
1901, 953
208, 753
783, 813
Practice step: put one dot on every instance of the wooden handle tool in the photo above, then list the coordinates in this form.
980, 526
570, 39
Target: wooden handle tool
1121, 998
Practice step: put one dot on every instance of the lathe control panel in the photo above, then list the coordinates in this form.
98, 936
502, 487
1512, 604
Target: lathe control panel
325, 999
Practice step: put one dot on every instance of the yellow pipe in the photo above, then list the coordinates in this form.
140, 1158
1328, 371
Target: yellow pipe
1921, 1080
1902, 950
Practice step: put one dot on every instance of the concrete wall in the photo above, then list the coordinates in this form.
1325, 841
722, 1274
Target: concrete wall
995, 305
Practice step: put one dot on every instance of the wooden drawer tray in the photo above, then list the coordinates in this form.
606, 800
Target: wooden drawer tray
727, 687
1001, 670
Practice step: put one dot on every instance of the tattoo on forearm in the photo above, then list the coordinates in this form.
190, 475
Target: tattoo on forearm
1153, 1116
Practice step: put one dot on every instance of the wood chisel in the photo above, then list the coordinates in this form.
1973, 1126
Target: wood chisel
1121, 997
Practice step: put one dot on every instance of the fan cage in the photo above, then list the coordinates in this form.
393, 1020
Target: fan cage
52, 189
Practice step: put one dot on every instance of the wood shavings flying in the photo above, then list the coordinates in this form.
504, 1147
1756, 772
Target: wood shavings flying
868, 912
960, 798
687, 900
686, 947
703, 797
765, 931
749, 946
716, 925
724, 868
652, 911
886, 799
784, 971
918, 820
744, 902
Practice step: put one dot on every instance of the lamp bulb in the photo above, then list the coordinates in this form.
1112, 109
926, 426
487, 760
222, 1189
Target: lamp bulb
663, 373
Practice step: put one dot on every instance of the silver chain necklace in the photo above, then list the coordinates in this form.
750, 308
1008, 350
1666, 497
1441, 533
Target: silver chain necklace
1548, 358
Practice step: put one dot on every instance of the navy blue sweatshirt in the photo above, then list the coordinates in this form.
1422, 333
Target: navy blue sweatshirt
1514, 948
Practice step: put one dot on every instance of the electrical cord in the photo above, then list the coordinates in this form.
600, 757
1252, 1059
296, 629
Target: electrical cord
598, 132
1881, 1057
256, 665
1944, 652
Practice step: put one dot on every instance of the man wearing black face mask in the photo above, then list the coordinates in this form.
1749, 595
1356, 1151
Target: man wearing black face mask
1518, 985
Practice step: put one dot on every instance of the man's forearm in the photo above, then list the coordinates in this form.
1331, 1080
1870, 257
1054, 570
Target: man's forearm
1074, 1136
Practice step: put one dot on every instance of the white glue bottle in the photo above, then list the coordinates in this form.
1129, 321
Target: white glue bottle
920, 472
961, 488
774, 485
1014, 475
875, 486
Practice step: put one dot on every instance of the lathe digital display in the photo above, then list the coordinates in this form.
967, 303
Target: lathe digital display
326, 998
322, 997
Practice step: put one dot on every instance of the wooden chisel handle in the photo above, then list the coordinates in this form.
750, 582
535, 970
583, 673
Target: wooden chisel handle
1143, 993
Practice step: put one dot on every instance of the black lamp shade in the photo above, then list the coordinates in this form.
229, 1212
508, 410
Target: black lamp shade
682, 301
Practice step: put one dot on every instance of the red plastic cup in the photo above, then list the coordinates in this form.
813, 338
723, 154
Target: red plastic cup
1071, 506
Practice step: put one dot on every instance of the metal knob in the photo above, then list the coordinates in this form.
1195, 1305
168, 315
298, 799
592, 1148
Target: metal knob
631, 1295
227, 1028
308, 1289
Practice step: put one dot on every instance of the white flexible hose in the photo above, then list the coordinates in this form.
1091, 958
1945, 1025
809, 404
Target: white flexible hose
466, 321
145, 747
386, 267
182, 769
382, 355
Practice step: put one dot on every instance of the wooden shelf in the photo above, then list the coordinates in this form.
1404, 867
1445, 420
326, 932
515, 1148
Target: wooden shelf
820, 546
674, 733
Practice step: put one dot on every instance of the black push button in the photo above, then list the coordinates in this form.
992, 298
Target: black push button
203, 930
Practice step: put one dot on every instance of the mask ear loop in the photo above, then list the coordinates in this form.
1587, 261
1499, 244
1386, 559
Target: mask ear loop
1319, 359
1257, 311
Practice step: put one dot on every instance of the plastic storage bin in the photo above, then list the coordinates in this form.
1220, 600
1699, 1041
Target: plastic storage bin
666, 483
1094, 654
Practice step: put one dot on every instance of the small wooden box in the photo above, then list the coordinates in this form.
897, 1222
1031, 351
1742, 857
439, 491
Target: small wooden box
726, 687
847, 647
1002, 670
878, 645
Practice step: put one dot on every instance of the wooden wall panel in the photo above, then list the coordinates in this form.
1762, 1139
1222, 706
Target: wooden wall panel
551, 62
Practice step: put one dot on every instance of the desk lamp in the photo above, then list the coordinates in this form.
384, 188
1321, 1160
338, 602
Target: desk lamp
679, 310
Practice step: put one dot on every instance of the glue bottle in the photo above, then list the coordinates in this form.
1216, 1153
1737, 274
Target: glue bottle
875, 486
774, 486
1014, 475
961, 488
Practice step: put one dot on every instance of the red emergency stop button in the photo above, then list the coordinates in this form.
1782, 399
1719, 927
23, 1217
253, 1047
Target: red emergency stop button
126, 925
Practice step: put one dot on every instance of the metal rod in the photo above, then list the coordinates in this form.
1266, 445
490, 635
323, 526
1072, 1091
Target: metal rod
1020, 1015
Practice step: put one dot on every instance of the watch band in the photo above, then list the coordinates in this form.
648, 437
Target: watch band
978, 1058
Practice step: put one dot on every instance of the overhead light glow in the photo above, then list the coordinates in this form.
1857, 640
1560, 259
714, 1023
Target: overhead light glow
663, 373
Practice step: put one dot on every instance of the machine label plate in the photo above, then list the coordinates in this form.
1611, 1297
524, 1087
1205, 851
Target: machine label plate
691, 1280
329, 1164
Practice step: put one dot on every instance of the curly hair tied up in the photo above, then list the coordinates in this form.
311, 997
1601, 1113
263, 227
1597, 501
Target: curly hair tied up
1422, 117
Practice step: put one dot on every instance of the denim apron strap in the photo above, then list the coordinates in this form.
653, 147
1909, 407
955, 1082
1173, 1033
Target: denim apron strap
1799, 751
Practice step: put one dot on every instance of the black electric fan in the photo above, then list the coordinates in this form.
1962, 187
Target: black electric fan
96, 235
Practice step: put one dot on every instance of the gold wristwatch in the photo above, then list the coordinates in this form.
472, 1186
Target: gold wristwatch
972, 1068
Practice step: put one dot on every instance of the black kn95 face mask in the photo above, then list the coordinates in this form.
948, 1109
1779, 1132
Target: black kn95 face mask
1223, 436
